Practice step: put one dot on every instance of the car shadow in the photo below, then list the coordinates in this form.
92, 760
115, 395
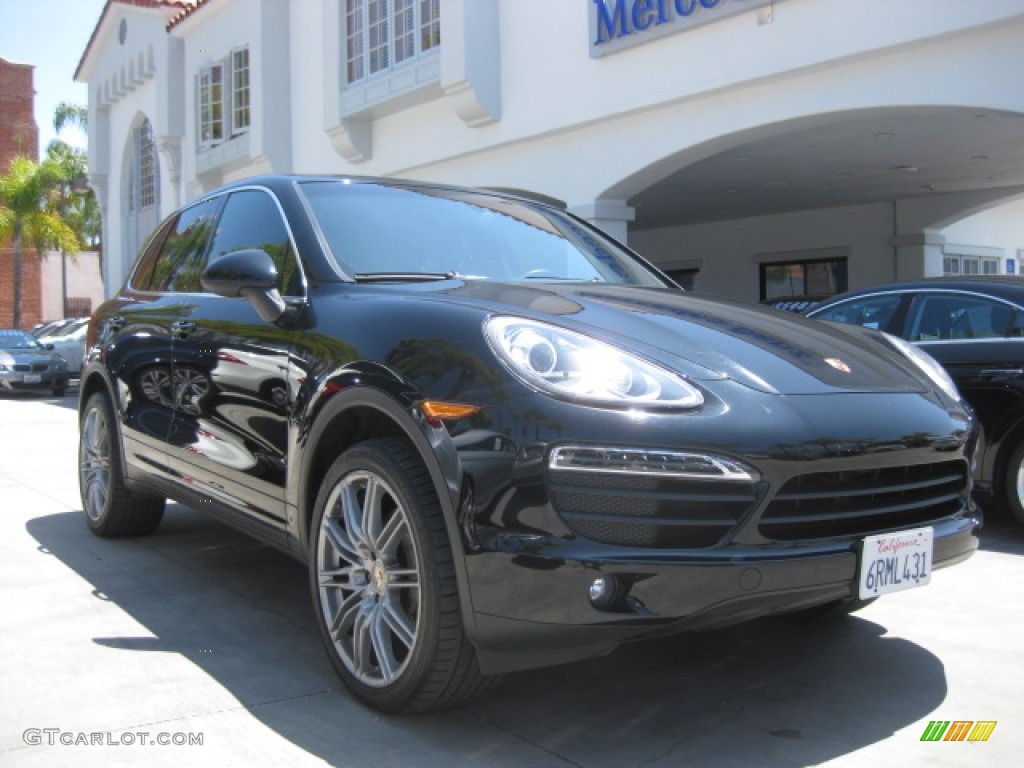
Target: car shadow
1001, 533
772, 692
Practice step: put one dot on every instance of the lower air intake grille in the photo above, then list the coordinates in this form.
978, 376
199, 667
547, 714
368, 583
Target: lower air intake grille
655, 512
861, 502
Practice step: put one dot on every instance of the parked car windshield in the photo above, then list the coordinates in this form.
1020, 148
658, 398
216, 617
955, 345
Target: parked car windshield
389, 232
18, 340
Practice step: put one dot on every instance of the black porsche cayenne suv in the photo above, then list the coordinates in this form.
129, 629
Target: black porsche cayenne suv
501, 440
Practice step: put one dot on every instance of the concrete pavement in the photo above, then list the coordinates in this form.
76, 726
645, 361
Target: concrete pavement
199, 634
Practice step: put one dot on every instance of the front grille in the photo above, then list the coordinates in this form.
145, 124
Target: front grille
33, 368
39, 367
861, 502
656, 512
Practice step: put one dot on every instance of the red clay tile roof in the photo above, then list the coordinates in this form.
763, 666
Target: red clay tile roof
183, 7
192, 7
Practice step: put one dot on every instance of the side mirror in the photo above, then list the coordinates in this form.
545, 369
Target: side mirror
250, 274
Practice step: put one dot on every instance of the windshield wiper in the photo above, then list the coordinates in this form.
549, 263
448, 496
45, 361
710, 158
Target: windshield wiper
402, 277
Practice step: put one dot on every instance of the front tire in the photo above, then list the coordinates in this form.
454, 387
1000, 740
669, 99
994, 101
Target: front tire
1013, 487
110, 508
383, 584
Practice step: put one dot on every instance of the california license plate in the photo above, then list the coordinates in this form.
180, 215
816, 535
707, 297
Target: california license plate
892, 562
33, 378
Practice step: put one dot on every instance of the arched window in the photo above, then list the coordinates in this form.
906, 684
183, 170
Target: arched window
147, 165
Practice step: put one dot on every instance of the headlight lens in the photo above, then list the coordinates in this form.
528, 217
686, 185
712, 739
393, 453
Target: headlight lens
577, 367
928, 364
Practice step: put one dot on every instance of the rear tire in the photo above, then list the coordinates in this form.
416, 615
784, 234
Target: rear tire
110, 508
383, 584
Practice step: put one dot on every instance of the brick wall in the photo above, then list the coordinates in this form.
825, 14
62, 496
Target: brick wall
31, 282
19, 135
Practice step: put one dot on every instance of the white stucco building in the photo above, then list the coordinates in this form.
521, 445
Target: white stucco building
752, 148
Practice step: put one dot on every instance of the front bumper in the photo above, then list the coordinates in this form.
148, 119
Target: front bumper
553, 618
16, 380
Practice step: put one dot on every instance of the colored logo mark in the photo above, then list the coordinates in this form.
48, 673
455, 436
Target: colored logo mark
958, 730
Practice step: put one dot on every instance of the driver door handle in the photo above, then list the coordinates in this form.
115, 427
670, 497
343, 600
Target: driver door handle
182, 328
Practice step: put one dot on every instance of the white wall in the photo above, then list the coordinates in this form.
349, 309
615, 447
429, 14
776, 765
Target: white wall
1001, 227
730, 252
84, 281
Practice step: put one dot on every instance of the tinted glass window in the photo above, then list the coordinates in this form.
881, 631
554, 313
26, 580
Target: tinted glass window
182, 254
251, 219
382, 230
1017, 325
938, 316
870, 312
144, 273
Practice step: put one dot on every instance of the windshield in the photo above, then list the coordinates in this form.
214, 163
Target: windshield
18, 340
388, 232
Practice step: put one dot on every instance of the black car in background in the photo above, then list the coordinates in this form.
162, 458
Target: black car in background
974, 327
499, 439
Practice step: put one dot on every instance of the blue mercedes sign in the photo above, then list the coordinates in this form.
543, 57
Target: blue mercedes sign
618, 24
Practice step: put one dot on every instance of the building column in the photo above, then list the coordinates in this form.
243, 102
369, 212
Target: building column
611, 216
919, 254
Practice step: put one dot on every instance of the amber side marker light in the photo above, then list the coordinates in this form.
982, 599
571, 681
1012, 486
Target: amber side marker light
438, 411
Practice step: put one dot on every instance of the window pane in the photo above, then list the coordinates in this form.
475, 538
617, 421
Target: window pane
147, 166
405, 26
211, 105
382, 33
143, 278
936, 317
240, 90
430, 24
819, 278
251, 219
181, 258
783, 280
355, 50
826, 278
872, 312
377, 25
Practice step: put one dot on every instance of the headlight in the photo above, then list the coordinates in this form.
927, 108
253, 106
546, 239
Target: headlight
928, 365
576, 367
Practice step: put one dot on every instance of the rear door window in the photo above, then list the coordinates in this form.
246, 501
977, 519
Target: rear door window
957, 317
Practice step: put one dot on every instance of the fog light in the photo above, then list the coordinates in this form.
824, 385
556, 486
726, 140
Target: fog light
605, 592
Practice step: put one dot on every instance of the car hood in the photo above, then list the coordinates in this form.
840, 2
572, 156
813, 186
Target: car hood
27, 356
704, 338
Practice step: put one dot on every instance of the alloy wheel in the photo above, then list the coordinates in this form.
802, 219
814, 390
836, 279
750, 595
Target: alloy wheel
369, 578
94, 462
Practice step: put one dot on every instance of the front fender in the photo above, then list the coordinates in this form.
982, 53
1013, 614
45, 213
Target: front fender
395, 405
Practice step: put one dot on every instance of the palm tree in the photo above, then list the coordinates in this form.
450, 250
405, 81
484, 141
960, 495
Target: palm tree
78, 204
74, 202
24, 216
67, 114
